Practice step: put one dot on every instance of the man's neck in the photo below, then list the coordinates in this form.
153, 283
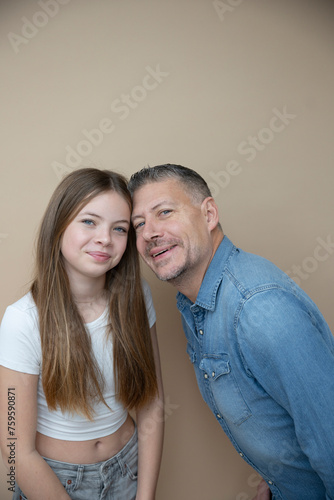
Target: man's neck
190, 283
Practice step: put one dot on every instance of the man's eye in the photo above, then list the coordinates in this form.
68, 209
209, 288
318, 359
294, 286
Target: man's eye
139, 225
166, 212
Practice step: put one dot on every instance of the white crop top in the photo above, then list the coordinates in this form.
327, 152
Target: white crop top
20, 350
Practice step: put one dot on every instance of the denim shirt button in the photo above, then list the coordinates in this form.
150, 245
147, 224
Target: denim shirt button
206, 375
218, 416
201, 332
213, 374
270, 482
241, 454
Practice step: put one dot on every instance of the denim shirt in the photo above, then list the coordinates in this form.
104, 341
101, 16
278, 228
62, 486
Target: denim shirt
264, 361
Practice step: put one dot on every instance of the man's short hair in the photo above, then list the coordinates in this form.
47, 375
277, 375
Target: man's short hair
194, 184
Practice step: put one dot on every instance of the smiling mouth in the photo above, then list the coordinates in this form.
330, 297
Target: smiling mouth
100, 256
161, 252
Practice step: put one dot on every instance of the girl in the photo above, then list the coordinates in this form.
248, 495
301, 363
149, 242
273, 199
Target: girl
79, 351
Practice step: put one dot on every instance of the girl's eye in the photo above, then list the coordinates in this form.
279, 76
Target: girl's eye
121, 230
88, 222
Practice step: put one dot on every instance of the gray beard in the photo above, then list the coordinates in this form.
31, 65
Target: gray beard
177, 278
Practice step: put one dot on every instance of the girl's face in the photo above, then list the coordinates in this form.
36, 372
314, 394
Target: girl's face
95, 241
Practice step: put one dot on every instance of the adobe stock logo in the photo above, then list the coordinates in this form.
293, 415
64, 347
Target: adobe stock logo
254, 481
3, 236
39, 20
161, 413
225, 7
254, 143
310, 264
122, 107
250, 148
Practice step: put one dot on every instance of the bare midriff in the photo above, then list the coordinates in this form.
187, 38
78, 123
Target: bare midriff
85, 452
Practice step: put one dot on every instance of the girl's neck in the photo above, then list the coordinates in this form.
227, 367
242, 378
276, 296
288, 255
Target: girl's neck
90, 299
91, 308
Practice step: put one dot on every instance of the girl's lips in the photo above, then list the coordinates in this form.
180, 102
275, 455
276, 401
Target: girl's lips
99, 256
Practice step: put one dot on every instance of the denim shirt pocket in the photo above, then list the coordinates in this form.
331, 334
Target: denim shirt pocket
224, 388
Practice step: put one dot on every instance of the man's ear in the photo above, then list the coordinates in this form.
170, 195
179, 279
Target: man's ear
210, 212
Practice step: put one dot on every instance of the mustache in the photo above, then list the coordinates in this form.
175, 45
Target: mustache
161, 243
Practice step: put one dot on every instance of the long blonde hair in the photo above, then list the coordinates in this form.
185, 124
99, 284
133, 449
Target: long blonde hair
71, 377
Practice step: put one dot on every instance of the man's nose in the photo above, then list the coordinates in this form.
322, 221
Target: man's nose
151, 230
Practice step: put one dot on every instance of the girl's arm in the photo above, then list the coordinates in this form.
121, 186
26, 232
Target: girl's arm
18, 418
150, 423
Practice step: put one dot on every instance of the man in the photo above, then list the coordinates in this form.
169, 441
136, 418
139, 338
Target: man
262, 352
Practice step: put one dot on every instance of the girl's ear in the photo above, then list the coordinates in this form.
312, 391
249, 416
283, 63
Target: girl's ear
210, 211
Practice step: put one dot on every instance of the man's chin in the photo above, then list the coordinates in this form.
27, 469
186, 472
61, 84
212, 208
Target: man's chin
172, 277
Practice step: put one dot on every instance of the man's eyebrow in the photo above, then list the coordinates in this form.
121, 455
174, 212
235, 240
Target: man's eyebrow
155, 207
136, 217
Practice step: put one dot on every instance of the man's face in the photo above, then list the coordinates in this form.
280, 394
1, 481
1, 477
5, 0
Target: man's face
173, 236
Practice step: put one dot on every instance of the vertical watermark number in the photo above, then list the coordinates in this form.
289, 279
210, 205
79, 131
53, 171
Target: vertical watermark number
11, 428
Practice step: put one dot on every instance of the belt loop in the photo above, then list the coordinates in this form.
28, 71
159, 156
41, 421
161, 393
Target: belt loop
80, 473
122, 466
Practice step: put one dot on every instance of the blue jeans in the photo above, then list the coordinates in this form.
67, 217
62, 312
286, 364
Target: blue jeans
114, 479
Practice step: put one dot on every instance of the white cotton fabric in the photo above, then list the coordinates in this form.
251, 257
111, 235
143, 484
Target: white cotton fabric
20, 350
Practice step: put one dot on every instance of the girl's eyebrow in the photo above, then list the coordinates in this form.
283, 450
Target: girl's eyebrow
90, 214
84, 214
122, 221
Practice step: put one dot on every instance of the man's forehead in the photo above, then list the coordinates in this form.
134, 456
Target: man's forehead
151, 196
156, 190
164, 183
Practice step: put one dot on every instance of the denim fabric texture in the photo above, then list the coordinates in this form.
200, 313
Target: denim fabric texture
113, 479
264, 361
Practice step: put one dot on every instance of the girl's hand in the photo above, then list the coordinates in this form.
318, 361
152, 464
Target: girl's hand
263, 491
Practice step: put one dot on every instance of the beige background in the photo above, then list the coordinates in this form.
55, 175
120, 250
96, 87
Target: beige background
223, 72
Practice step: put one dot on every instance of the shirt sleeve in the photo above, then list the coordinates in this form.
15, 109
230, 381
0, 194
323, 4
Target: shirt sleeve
149, 303
19, 341
290, 352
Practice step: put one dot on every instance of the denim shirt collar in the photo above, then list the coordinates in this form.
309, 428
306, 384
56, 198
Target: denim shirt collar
206, 297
